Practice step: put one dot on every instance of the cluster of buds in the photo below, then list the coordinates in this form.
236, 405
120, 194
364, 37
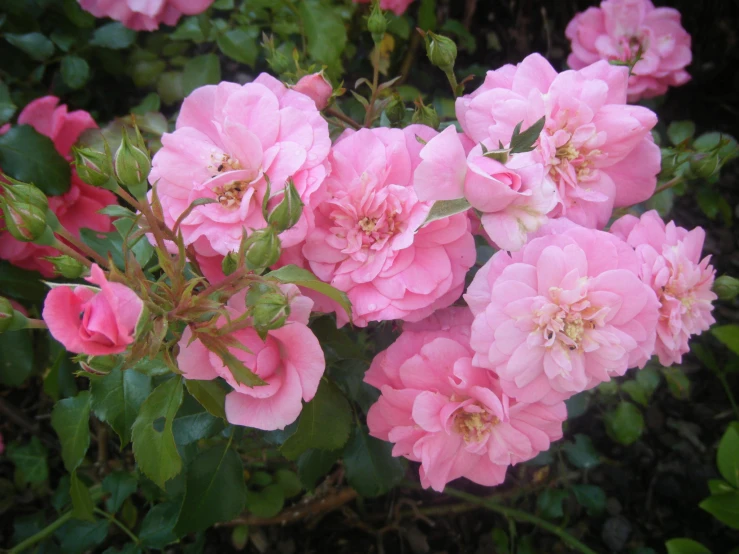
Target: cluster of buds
425, 115
698, 158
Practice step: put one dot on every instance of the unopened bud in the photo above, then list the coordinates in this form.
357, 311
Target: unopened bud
25, 222
270, 311
230, 263
705, 166
262, 248
726, 287
25, 193
277, 59
287, 212
93, 167
6, 314
395, 110
67, 266
441, 50
425, 115
376, 23
132, 163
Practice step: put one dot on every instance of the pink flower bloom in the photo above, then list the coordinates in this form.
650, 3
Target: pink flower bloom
439, 409
79, 206
367, 241
561, 315
671, 264
93, 321
145, 15
629, 29
290, 360
230, 139
317, 87
514, 198
598, 152
398, 7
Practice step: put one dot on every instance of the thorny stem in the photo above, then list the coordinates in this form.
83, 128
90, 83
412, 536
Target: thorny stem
235, 276
375, 83
80, 245
341, 117
71, 252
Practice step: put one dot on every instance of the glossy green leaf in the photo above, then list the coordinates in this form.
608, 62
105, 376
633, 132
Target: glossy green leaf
524, 141
16, 357
289, 481
313, 464
36, 45
71, 421
549, 503
727, 458
325, 31
46, 169
81, 500
119, 485
77, 537
114, 36
728, 335
590, 497
117, 399
30, 461
371, 469
201, 70
267, 502
446, 208
7, 107
581, 453
304, 278
724, 507
153, 442
75, 71
685, 546
210, 395
625, 424
240, 45
680, 131
157, 528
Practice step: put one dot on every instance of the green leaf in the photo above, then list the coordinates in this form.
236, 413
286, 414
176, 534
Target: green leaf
157, 529
30, 462
20, 283
215, 490
577, 405
77, 537
114, 36
81, 500
590, 497
210, 394
325, 31
625, 424
680, 131
46, 169
677, 382
324, 423
371, 469
153, 444
724, 507
193, 423
289, 481
524, 142
201, 70
313, 464
728, 335
685, 546
105, 244
446, 208
16, 357
117, 398
119, 485
267, 502
240, 44
719, 486
549, 503
727, 458
304, 278
36, 45
7, 107
70, 418
77, 15
582, 454
75, 71
427, 15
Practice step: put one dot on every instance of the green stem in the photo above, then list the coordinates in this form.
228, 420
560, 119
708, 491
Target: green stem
727, 388
41, 535
111, 518
522, 516
452, 78
669, 184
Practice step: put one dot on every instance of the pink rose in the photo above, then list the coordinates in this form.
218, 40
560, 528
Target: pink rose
229, 141
93, 321
79, 206
398, 7
671, 264
564, 313
317, 87
368, 239
290, 360
596, 150
439, 409
145, 15
626, 29
513, 202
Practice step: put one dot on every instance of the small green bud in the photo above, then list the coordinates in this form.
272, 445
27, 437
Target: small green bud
287, 212
262, 248
25, 222
395, 110
377, 23
25, 193
230, 263
270, 311
726, 287
425, 115
704, 166
441, 50
6, 314
132, 163
67, 266
93, 167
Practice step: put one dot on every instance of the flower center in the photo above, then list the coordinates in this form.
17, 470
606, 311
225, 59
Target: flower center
575, 328
474, 425
367, 224
227, 163
230, 195
567, 152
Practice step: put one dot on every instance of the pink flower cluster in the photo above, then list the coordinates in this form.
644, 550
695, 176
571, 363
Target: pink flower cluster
145, 15
79, 206
634, 32
398, 7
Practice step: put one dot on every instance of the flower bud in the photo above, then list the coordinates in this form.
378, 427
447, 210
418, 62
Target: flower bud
726, 287
132, 163
395, 110
376, 23
317, 87
704, 166
93, 167
441, 50
425, 115
25, 222
270, 311
230, 263
287, 212
6, 314
67, 266
262, 248
25, 193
